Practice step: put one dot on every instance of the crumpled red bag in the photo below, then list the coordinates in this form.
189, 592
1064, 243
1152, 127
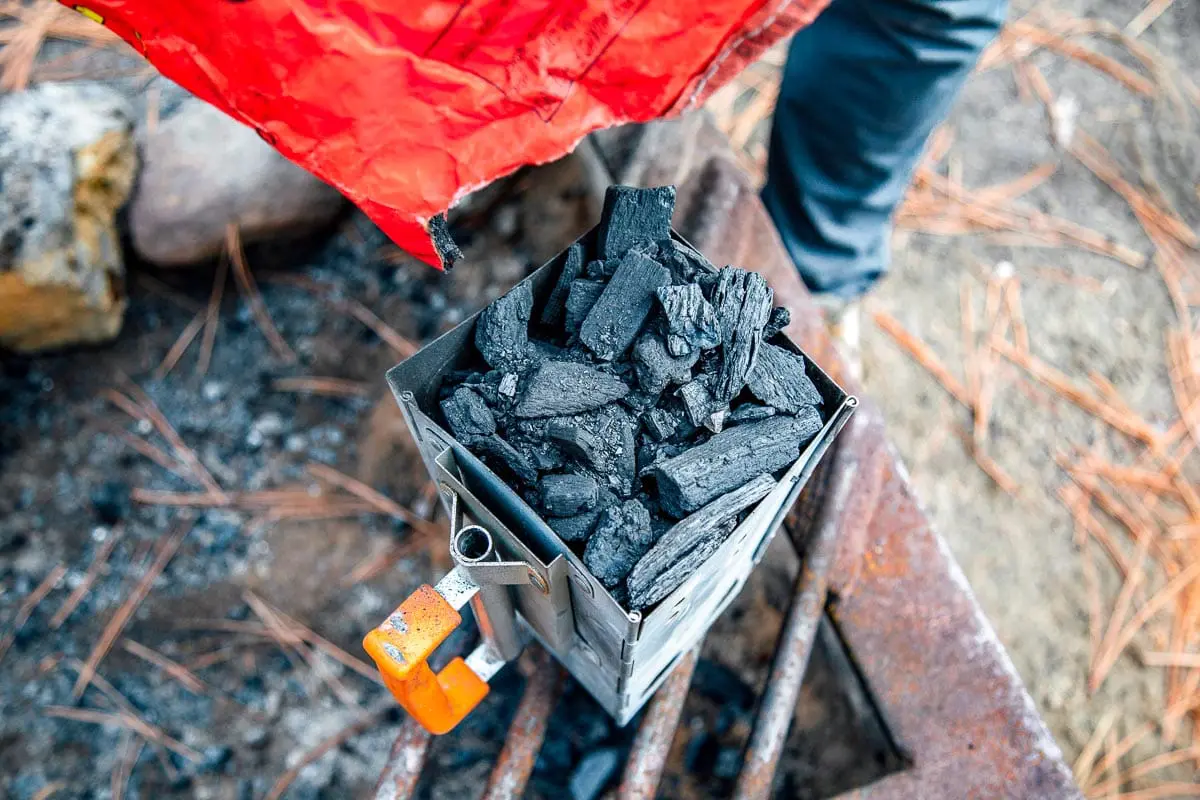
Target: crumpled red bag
406, 106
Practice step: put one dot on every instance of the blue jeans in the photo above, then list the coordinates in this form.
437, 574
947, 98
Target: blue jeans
864, 86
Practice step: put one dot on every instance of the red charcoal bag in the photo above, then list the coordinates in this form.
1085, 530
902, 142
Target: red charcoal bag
406, 106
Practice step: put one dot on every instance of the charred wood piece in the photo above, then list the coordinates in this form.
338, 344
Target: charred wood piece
779, 379
568, 495
502, 331
656, 368
617, 317
632, 216
555, 309
780, 318
564, 387
742, 301
691, 320
621, 537
505, 459
579, 527
468, 416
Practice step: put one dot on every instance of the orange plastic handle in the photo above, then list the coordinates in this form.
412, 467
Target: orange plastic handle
400, 648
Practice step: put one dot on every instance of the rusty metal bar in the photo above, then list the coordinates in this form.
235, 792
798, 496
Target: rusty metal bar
528, 729
404, 763
652, 745
778, 703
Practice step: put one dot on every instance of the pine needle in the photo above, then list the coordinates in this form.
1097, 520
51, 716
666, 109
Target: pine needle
365, 722
99, 560
249, 290
26, 609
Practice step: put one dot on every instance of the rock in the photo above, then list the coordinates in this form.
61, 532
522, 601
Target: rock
593, 774
204, 171
67, 164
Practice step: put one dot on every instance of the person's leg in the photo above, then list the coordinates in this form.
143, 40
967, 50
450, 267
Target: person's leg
864, 86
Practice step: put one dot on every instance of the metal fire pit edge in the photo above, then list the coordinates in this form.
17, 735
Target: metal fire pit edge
620, 657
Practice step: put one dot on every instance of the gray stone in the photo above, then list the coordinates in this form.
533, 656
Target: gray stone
205, 171
67, 165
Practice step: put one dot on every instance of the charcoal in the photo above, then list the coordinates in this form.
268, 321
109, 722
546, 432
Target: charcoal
508, 385
651, 454
779, 379
617, 317
568, 495
622, 536
467, 416
601, 270
632, 216
660, 423
505, 459
743, 303
580, 299
697, 402
485, 385
579, 527
656, 368
749, 412
780, 318
554, 312
601, 441
641, 402
564, 387
684, 262
690, 542
691, 320
716, 420
503, 328
731, 459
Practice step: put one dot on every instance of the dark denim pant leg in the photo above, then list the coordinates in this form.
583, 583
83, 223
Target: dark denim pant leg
864, 86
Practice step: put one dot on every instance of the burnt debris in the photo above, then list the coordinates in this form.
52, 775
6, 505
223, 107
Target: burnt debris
641, 408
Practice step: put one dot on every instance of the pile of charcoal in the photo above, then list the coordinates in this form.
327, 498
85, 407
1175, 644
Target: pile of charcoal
642, 407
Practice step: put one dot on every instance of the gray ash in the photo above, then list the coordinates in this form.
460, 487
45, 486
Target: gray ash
641, 409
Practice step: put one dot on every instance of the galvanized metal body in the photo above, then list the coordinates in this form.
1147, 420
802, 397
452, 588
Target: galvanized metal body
621, 657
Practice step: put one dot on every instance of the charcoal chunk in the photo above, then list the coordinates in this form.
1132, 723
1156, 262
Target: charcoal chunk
503, 328
564, 387
528, 437
568, 495
554, 312
580, 299
743, 303
656, 368
468, 416
601, 270
651, 454
622, 536
731, 459
505, 459
683, 548
749, 412
579, 527
780, 318
691, 320
602, 441
660, 423
686, 264
617, 317
779, 379
698, 403
508, 385
632, 216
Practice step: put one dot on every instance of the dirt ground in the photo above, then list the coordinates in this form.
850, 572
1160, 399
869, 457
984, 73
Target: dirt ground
1019, 553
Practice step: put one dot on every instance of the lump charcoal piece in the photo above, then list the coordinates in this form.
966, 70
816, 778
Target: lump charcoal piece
749, 412
691, 320
468, 416
503, 328
508, 385
505, 459
603, 442
716, 420
684, 262
697, 402
656, 368
742, 300
780, 318
617, 317
564, 387
568, 495
601, 270
731, 459
579, 527
779, 379
640, 403
690, 542
529, 438
633, 216
555, 309
660, 424
653, 454
580, 299
622, 536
